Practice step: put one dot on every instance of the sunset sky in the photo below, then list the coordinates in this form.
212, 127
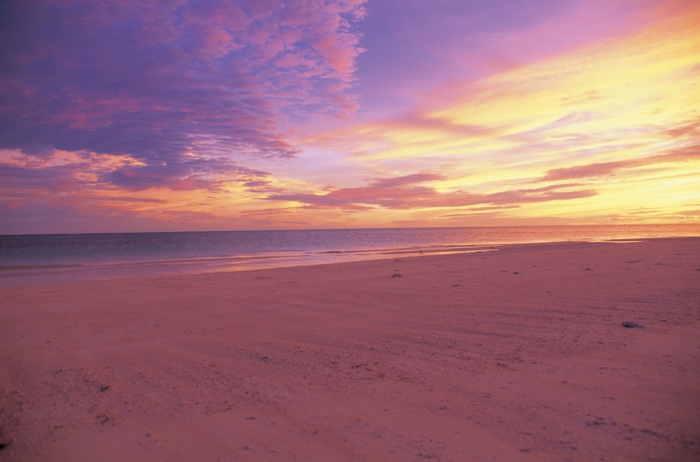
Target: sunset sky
179, 115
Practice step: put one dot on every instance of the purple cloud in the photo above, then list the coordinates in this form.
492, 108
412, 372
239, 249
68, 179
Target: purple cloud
169, 82
27, 180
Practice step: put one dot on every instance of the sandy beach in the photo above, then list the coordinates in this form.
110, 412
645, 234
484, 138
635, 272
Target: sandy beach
515, 354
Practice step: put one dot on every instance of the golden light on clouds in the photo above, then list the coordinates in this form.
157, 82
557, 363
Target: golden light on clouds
620, 118
598, 125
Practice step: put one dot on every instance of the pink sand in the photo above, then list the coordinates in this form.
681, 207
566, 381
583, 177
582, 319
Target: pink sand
459, 359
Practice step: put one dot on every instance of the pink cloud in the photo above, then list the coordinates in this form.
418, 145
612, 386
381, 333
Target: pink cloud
691, 129
405, 192
609, 168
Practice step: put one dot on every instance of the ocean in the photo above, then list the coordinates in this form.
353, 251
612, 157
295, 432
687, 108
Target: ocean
58, 258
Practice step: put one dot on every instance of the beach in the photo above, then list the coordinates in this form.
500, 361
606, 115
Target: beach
513, 353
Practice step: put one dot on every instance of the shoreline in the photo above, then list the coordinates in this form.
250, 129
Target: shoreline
27, 275
51, 274
518, 354
40, 259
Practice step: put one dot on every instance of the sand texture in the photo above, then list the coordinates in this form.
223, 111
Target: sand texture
517, 354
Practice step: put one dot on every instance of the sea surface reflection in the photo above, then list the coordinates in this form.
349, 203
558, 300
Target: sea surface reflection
59, 258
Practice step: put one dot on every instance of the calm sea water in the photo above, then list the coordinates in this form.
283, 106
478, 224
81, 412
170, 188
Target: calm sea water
39, 259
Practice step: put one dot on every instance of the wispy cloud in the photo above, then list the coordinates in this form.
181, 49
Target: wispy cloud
406, 192
616, 116
689, 153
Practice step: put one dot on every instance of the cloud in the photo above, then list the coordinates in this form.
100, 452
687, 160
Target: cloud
442, 126
406, 180
585, 171
691, 129
53, 179
405, 192
184, 175
92, 171
90, 196
432, 43
598, 169
166, 82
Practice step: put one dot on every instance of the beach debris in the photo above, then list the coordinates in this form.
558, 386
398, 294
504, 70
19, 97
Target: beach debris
396, 275
516, 272
105, 419
588, 269
632, 325
252, 417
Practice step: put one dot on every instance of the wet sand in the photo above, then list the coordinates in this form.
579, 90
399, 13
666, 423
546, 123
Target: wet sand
517, 354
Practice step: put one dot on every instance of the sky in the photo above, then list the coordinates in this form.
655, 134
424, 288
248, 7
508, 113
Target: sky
189, 115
